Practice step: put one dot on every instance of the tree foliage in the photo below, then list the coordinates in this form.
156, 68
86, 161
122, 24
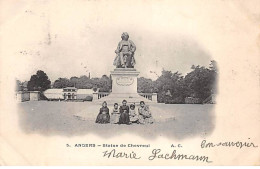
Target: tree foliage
145, 85
174, 88
39, 82
171, 87
62, 83
201, 82
84, 82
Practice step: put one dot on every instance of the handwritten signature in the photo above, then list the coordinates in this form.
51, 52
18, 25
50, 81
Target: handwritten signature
174, 155
156, 154
238, 144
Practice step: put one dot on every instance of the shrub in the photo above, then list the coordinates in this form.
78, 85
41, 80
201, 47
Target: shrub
88, 98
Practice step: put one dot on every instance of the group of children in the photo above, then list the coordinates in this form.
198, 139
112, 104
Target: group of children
125, 114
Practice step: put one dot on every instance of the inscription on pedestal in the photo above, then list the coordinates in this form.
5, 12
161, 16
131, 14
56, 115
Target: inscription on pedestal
124, 81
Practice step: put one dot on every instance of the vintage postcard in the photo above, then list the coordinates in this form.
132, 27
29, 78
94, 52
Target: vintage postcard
93, 82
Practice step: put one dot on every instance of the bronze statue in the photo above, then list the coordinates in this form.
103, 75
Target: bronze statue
125, 53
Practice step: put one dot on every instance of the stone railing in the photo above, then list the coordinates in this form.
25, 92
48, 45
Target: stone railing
149, 96
99, 95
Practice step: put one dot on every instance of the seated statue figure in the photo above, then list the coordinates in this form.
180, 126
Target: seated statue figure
125, 53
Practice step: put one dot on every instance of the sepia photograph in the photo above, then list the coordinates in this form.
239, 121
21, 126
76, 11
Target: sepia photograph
162, 103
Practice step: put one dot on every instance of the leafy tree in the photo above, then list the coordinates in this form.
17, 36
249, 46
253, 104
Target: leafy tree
74, 80
170, 87
105, 84
201, 81
39, 82
95, 82
145, 85
62, 83
84, 82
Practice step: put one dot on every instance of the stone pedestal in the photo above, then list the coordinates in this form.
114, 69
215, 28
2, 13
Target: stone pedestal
124, 87
154, 97
124, 80
95, 96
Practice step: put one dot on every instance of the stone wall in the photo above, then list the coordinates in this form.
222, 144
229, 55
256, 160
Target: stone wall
22, 96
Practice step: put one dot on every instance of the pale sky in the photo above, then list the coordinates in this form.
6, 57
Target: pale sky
74, 38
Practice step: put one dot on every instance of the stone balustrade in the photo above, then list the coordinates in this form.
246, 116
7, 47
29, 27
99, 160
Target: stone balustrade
149, 96
99, 95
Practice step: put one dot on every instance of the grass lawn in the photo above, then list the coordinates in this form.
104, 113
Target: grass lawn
177, 121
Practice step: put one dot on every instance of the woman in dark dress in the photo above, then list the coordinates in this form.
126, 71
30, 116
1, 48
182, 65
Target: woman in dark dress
124, 113
103, 115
